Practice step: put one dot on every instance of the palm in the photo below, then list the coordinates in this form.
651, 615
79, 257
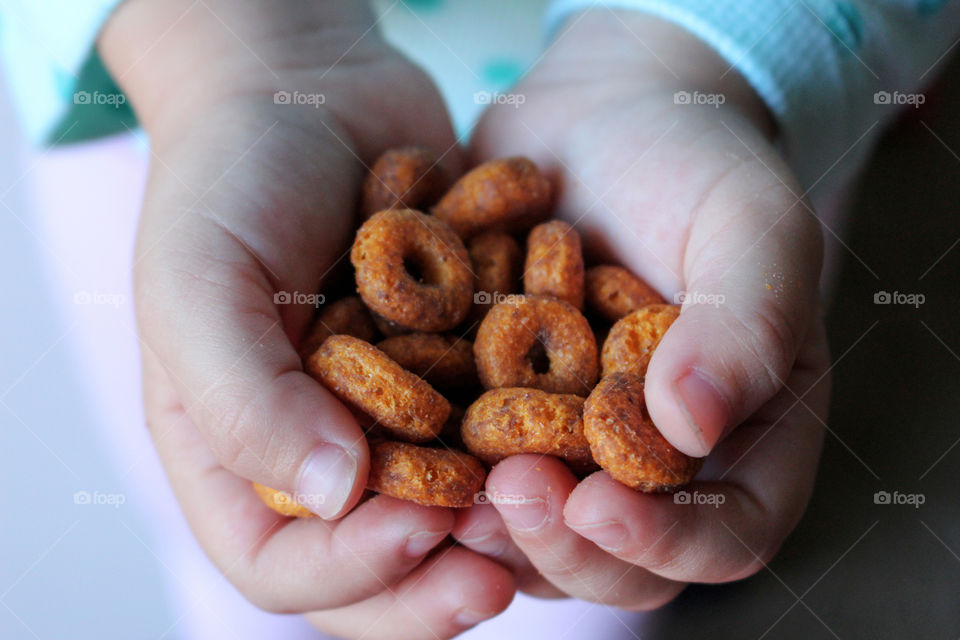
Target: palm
635, 174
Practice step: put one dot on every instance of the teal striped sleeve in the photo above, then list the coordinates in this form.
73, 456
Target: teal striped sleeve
61, 91
831, 72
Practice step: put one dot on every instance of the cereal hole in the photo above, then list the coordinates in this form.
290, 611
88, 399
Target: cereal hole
537, 355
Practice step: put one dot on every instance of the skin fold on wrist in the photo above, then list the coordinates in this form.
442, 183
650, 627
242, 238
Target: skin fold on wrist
173, 58
602, 46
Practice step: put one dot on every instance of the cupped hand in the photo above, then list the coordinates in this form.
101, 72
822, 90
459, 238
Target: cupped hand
664, 162
250, 195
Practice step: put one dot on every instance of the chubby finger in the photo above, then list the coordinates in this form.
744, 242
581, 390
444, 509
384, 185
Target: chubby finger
282, 564
481, 529
449, 593
539, 487
751, 271
749, 496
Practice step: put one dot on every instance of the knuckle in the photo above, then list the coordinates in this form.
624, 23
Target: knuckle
562, 568
241, 428
759, 538
770, 337
661, 558
253, 583
261, 595
228, 417
663, 596
751, 562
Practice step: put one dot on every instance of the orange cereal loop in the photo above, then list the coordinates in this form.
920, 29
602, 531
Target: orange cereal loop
413, 270
632, 340
405, 178
445, 361
538, 342
614, 292
509, 195
359, 373
388, 328
347, 316
554, 263
496, 260
431, 477
626, 443
281, 502
507, 422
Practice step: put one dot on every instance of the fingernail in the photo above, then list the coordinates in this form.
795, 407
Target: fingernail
529, 515
469, 617
705, 409
608, 535
326, 480
420, 543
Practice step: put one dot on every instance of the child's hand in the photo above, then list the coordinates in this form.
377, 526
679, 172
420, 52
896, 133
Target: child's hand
696, 199
248, 196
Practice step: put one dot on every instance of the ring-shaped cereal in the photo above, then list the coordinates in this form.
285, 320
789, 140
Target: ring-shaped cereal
347, 315
445, 361
364, 376
613, 292
393, 243
508, 422
404, 178
427, 476
508, 194
632, 340
497, 261
538, 342
387, 327
554, 264
626, 443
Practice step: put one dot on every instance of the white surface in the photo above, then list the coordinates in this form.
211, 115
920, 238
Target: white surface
100, 549
66, 569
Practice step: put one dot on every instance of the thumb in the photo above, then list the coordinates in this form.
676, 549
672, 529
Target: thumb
751, 272
235, 371
211, 262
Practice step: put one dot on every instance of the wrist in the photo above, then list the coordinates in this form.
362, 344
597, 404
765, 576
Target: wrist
649, 55
176, 59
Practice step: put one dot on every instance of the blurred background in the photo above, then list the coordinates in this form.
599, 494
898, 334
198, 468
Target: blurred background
92, 545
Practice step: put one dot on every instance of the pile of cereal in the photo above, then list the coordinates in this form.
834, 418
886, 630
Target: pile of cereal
532, 381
